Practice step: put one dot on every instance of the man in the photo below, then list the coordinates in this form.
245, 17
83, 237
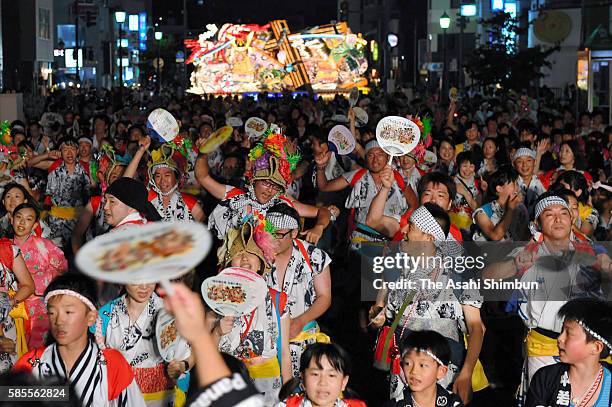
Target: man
529, 184
558, 279
267, 186
67, 191
302, 272
101, 123
85, 152
126, 204
365, 183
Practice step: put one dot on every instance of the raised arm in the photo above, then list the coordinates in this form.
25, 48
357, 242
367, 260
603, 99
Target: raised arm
78, 233
376, 218
323, 216
143, 147
202, 174
336, 184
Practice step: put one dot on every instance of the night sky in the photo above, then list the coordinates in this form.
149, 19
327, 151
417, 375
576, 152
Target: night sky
299, 14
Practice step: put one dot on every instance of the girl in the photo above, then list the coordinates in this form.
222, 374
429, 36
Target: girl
128, 325
14, 195
325, 370
581, 379
577, 183
495, 218
261, 339
44, 261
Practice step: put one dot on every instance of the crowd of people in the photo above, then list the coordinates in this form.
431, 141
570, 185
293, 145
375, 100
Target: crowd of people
292, 212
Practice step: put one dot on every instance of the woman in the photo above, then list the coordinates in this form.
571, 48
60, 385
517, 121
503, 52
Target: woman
255, 338
14, 195
446, 156
489, 150
568, 158
44, 261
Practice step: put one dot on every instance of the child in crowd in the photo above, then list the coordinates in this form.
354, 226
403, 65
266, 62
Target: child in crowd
101, 377
581, 379
425, 359
468, 197
324, 369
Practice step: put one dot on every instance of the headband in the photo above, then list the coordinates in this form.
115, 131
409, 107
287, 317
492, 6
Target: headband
428, 353
595, 335
548, 201
282, 221
72, 294
370, 145
524, 152
424, 220
85, 139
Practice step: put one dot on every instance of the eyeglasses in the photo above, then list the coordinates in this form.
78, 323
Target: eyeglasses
278, 235
270, 185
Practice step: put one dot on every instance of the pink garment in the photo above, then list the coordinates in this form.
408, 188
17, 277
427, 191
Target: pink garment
44, 261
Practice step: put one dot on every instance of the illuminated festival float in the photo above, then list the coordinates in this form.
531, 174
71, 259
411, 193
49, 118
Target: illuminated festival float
245, 58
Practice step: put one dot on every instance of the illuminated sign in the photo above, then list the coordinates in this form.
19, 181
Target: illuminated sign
582, 70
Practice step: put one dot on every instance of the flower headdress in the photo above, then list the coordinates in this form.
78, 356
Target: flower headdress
5, 133
251, 239
174, 155
107, 161
270, 159
424, 126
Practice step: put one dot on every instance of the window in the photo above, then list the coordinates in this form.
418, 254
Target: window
67, 34
44, 23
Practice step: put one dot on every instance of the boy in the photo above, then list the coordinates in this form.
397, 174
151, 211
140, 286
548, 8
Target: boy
425, 358
581, 378
99, 376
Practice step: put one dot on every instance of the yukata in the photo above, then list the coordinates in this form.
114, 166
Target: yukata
412, 179
306, 262
531, 191
100, 378
137, 342
178, 209
558, 282
255, 339
461, 212
438, 310
237, 206
495, 213
98, 226
444, 398
588, 214
301, 400
67, 193
360, 198
12, 327
45, 261
551, 386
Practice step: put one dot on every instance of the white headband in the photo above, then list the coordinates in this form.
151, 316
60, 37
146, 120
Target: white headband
428, 353
424, 220
282, 221
370, 145
595, 335
548, 201
72, 294
524, 152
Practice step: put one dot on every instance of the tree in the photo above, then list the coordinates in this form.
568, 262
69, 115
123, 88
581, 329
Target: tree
499, 61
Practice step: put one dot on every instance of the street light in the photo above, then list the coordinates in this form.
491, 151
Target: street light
120, 19
444, 24
158, 37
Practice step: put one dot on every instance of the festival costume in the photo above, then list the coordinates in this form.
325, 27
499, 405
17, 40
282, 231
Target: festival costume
306, 262
100, 378
444, 398
301, 400
137, 342
461, 212
551, 387
45, 261
495, 212
67, 193
270, 162
531, 191
176, 157
15, 324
